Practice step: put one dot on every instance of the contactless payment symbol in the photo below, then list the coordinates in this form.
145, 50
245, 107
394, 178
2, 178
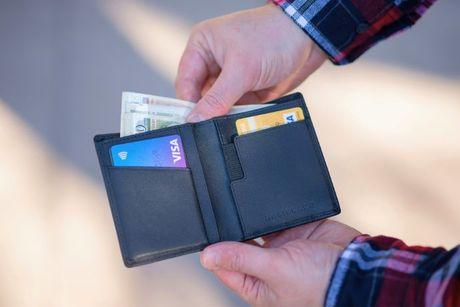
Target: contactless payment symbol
162, 151
123, 155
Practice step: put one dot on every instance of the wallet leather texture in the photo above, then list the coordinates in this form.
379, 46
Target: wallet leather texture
235, 187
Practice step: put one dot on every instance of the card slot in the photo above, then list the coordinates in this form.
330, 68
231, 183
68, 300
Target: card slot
104, 143
158, 168
226, 125
156, 213
269, 130
201, 187
285, 182
163, 212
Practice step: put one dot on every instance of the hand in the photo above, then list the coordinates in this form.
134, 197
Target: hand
292, 268
251, 56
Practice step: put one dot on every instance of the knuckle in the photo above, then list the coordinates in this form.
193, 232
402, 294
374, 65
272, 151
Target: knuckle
237, 261
250, 290
196, 29
247, 287
199, 30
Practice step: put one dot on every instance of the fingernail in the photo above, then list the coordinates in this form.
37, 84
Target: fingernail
194, 118
209, 259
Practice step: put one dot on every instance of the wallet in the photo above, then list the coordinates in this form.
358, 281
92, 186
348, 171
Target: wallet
233, 188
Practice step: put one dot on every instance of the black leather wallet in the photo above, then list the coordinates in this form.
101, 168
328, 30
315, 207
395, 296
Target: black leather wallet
235, 187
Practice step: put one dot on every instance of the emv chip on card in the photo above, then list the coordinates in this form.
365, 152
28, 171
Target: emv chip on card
164, 151
268, 120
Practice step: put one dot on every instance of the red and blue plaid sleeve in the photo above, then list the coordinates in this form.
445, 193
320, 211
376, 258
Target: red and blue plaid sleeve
345, 29
383, 271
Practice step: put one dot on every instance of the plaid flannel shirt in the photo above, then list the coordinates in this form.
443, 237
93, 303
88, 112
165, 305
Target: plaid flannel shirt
377, 271
383, 271
345, 29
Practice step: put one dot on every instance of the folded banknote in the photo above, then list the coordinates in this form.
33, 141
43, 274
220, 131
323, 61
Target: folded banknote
143, 112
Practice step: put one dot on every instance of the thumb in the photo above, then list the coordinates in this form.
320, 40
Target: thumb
239, 258
229, 87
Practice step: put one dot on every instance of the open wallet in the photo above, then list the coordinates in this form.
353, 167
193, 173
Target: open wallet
232, 188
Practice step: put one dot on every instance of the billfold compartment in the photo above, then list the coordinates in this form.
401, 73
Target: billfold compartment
284, 184
155, 219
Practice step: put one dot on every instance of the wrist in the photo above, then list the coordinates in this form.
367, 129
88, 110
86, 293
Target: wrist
285, 23
329, 271
317, 56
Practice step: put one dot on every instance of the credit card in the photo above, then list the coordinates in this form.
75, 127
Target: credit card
164, 151
268, 120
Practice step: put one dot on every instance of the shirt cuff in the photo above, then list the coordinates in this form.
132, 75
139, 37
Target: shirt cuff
383, 271
363, 270
346, 29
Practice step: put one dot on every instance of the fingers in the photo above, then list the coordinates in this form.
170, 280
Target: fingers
335, 233
228, 89
240, 258
238, 282
299, 232
191, 75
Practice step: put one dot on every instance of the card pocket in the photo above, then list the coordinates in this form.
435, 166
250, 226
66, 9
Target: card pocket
156, 213
285, 183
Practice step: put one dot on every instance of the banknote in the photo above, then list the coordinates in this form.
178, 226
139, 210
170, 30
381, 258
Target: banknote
143, 112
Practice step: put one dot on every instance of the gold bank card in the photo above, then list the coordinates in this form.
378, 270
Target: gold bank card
268, 120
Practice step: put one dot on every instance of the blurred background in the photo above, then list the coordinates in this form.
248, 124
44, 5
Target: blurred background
389, 127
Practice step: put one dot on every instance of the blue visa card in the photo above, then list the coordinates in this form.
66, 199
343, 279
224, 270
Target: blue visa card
164, 151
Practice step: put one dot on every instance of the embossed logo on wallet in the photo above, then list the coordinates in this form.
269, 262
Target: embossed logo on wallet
288, 212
